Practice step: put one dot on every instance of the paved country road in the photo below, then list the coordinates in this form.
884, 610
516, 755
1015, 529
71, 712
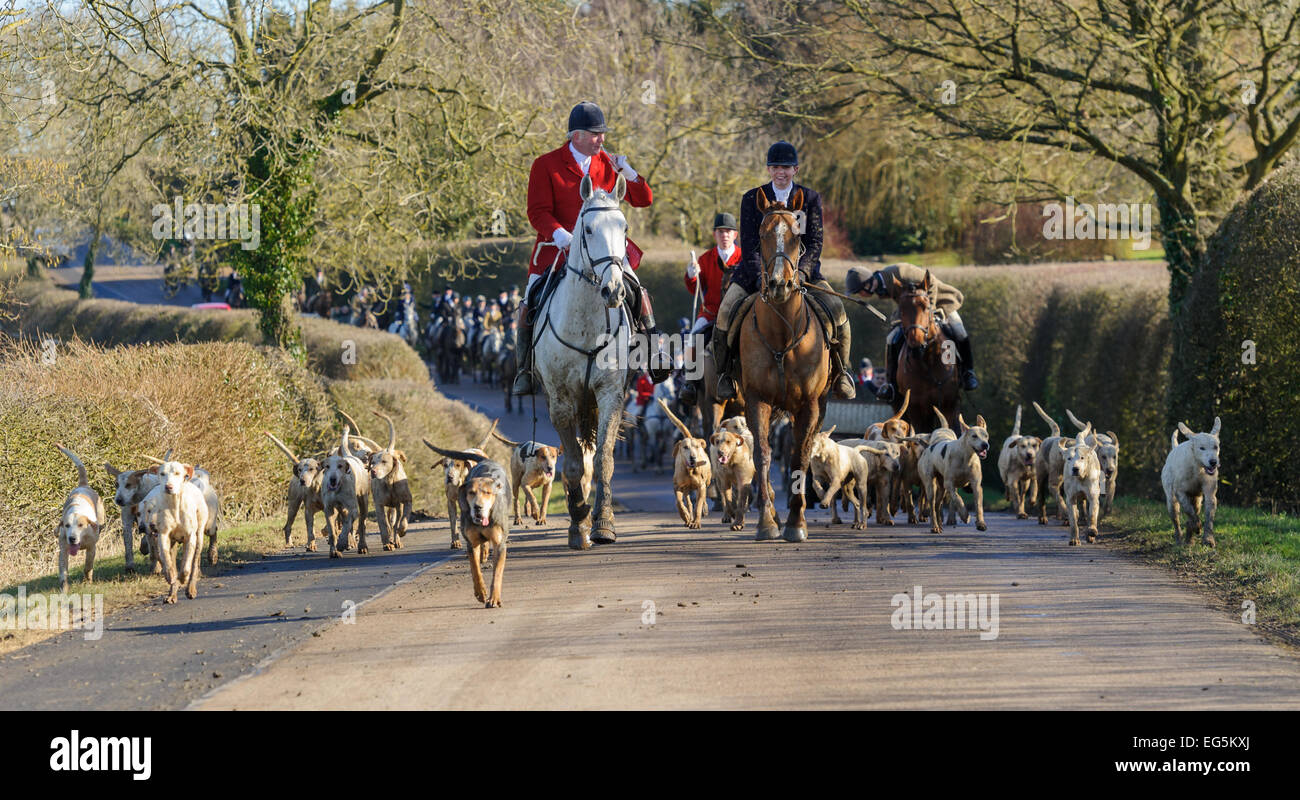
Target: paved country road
736, 624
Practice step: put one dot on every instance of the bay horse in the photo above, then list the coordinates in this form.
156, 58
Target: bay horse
785, 363
576, 342
927, 365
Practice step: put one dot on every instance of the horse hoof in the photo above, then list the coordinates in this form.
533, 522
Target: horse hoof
767, 530
795, 534
579, 541
980, 526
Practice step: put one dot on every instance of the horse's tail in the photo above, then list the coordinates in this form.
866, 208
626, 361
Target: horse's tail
686, 432
942, 419
1015, 431
1075, 420
1051, 423
459, 455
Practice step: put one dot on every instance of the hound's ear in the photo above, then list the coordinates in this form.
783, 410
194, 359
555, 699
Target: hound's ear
1186, 431
832, 430
400, 456
677, 446
111, 470
559, 451
153, 470
440, 462
189, 472
1215, 430
620, 187
961, 423
1113, 438
979, 421
584, 188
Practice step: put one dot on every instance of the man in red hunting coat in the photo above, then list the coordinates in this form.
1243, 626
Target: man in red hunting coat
553, 206
710, 274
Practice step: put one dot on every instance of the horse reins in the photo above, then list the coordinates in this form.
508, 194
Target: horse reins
779, 355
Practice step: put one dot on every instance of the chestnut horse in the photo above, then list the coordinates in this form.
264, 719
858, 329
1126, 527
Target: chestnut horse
927, 365
785, 363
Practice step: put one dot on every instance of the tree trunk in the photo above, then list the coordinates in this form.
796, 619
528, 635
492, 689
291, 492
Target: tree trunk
1194, 317
86, 290
286, 196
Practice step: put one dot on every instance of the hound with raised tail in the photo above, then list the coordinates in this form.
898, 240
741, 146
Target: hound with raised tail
1082, 483
80, 522
484, 518
1190, 476
175, 514
951, 462
304, 492
454, 471
1106, 445
1049, 466
345, 495
692, 472
733, 455
1016, 466
532, 466
390, 488
132, 486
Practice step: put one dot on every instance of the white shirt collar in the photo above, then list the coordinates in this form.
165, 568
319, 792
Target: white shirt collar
782, 195
584, 162
725, 255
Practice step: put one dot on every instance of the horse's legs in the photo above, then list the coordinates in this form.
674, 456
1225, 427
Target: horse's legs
759, 416
610, 416
806, 421
579, 511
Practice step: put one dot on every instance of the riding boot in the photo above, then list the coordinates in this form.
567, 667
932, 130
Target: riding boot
658, 363
886, 392
843, 386
690, 394
726, 388
523, 384
968, 379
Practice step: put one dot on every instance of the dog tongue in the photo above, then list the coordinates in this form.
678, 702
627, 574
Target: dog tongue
983, 453
72, 549
722, 459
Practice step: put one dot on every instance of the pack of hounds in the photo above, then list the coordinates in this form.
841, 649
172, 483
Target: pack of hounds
175, 508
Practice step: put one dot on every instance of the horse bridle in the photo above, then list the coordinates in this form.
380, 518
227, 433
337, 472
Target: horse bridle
767, 266
913, 291
594, 279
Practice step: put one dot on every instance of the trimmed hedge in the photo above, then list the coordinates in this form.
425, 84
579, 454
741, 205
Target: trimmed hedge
60, 313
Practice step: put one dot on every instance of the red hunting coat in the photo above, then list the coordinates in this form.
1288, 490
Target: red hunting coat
554, 202
715, 281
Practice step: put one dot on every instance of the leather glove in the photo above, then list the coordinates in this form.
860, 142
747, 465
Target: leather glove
561, 238
620, 163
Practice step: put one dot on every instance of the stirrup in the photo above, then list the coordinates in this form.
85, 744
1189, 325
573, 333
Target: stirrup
844, 388
886, 393
524, 384
726, 387
968, 380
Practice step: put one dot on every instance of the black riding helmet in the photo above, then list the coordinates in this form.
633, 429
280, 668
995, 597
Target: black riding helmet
782, 154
